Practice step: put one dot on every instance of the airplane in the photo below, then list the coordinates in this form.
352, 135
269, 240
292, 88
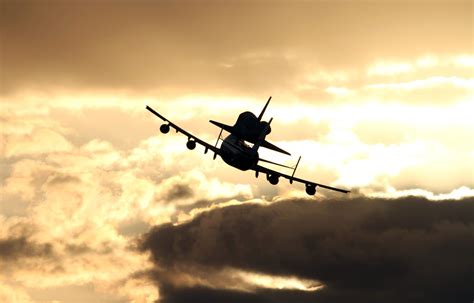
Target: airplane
235, 151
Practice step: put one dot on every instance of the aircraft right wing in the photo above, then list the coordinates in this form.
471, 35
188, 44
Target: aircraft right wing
191, 138
310, 186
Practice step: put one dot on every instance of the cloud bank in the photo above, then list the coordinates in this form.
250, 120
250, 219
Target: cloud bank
361, 250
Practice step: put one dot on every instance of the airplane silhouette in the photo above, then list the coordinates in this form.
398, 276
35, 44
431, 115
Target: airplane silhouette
237, 153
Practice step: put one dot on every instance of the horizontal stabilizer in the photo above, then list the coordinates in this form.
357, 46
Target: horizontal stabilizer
268, 145
225, 127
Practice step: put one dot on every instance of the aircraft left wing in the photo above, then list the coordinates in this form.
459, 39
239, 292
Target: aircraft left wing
310, 186
191, 138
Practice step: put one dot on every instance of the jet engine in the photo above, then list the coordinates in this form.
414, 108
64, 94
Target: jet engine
164, 128
273, 179
310, 189
191, 144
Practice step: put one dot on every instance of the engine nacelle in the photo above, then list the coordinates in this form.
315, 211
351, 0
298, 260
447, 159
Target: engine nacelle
164, 128
273, 179
310, 189
191, 144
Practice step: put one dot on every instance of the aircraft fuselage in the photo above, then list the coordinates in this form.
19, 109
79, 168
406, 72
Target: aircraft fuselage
236, 153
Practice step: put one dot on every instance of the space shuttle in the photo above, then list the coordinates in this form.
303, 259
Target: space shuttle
249, 128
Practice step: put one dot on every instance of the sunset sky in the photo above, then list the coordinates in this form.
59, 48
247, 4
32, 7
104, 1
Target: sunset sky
97, 206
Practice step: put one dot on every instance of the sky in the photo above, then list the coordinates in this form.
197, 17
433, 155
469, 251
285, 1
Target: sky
96, 205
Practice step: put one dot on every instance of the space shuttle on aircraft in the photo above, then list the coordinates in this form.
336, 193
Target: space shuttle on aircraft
235, 151
249, 127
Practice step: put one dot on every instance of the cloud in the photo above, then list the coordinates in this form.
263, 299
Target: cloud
200, 294
434, 90
14, 248
80, 208
83, 171
13, 294
41, 141
249, 48
361, 249
179, 191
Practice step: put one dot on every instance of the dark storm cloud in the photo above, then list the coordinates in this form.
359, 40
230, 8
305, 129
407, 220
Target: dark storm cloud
208, 203
362, 250
18, 247
249, 46
179, 191
63, 179
17, 243
198, 294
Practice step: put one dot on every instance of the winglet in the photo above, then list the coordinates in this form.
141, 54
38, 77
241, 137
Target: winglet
263, 110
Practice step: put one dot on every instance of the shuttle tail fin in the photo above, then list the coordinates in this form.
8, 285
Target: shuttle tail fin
263, 110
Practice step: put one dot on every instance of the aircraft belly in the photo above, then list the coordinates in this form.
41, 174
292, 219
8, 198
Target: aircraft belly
237, 157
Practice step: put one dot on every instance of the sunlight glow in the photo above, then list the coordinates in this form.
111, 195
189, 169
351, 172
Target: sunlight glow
338, 91
428, 82
389, 68
456, 194
463, 60
278, 282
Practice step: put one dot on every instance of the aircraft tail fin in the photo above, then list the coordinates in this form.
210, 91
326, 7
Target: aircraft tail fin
264, 108
223, 126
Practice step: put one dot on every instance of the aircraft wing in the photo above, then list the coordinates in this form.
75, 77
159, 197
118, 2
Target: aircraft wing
268, 171
190, 136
